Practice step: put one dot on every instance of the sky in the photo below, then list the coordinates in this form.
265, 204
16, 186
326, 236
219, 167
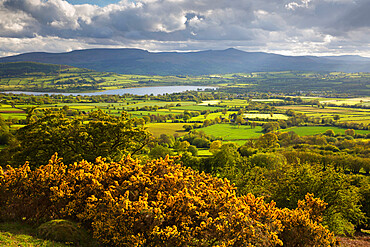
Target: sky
288, 27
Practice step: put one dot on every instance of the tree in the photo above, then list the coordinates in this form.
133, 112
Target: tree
159, 152
287, 138
288, 184
187, 127
227, 157
215, 146
268, 140
267, 160
329, 132
270, 127
193, 150
350, 132
166, 139
247, 151
181, 146
74, 139
239, 120
5, 135
201, 142
224, 111
186, 117
282, 124
206, 123
146, 119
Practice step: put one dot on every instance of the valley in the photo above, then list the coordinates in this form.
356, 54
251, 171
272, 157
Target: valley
254, 129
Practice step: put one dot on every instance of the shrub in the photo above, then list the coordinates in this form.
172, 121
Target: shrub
267, 160
302, 225
158, 203
159, 151
329, 132
64, 231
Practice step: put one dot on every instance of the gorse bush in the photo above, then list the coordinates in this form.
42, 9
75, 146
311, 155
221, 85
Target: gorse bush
158, 203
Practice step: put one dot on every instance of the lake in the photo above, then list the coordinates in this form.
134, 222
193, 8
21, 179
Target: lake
134, 91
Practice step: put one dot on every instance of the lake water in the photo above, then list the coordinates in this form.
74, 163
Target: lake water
135, 91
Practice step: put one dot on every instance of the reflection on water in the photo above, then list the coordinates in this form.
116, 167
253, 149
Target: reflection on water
135, 91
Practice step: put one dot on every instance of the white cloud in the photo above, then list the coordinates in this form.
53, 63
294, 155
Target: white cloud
288, 26
295, 5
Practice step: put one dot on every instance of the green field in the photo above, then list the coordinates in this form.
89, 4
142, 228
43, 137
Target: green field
212, 116
13, 115
265, 116
314, 130
209, 102
158, 103
349, 101
197, 108
166, 128
346, 114
230, 132
144, 106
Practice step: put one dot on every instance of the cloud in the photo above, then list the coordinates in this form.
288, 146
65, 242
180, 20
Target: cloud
286, 26
295, 5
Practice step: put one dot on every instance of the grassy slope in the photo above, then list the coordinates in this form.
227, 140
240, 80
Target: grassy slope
16, 234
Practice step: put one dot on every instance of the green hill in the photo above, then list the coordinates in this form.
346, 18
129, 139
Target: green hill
16, 69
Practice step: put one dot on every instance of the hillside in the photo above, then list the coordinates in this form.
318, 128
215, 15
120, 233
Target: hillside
32, 76
18, 69
136, 61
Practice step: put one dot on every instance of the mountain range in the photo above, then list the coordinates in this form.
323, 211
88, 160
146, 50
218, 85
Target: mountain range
136, 61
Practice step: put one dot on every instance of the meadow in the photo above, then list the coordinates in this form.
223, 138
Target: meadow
230, 132
345, 114
166, 128
314, 130
222, 109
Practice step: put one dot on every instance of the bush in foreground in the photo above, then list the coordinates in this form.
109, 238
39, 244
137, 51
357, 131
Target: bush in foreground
158, 203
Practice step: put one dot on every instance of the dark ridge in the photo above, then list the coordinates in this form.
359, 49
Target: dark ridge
136, 61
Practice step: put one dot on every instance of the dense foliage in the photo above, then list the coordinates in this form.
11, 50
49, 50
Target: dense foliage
158, 203
76, 138
29, 69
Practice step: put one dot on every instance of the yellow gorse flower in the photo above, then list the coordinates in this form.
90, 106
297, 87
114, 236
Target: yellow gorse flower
158, 203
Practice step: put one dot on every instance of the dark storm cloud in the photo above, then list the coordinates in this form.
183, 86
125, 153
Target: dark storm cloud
290, 26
